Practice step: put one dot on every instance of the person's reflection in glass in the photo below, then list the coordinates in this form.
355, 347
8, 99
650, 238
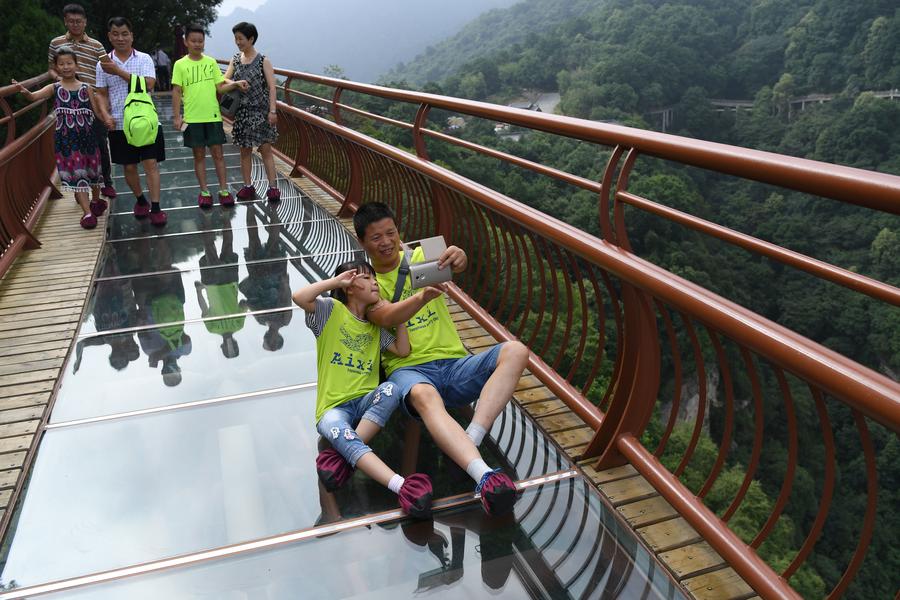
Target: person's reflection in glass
496, 537
267, 284
160, 303
113, 309
328, 503
219, 279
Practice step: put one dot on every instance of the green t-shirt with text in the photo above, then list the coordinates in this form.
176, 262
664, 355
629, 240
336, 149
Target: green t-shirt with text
432, 334
347, 352
198, 79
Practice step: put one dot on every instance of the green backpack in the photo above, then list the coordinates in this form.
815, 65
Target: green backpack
140, 121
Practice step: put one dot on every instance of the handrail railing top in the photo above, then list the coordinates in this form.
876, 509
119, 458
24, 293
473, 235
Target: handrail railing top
13, 148
879, 191
870, 392
10, 90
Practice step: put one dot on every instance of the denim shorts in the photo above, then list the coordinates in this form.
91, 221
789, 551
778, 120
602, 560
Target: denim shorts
338, 425
457, 380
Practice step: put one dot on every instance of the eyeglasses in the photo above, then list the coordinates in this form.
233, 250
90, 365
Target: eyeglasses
76, 21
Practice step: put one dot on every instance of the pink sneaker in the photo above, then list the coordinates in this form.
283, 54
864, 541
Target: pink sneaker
415, 496
158, 218
226, 199
273, 194
498, 493
333, 470
98, 207
108, 191
89, 221
204, 200
141, 211
246, 193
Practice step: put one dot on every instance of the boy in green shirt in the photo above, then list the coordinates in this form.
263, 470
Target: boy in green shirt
196, 78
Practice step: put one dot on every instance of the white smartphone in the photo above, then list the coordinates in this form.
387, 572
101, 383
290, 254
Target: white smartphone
427, 273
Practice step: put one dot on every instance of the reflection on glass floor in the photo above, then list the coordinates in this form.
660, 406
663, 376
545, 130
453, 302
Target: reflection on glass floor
559, 543
184, 427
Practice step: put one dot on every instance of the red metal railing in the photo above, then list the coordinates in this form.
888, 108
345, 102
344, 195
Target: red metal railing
27, 165
610, 330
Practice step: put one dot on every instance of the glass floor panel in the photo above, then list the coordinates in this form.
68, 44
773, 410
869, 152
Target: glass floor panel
184, 362
195, 478
208, 292
185, 196
192, 220
560, 543
181, 173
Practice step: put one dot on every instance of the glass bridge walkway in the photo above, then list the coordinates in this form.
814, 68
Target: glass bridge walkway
179, 459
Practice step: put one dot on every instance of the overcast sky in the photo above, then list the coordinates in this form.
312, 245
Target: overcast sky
228, 6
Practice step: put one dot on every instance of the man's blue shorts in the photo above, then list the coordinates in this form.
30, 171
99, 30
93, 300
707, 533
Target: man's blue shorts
457, 380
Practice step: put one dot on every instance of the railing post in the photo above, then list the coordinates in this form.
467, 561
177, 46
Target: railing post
636, 389
353, 195
335, 108
443, 213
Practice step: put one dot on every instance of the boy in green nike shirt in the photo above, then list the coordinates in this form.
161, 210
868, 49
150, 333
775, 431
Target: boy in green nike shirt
196, 78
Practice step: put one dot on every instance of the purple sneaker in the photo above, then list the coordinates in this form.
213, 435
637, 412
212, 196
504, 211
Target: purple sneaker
158, 218
273, 194
88, 221
108, 191
498, 493
204, 200
333, 470
246, 193
226, 199
141, 211
415, 496
98, 207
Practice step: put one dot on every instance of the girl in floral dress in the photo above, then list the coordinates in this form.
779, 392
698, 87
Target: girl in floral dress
77, 153
256, 118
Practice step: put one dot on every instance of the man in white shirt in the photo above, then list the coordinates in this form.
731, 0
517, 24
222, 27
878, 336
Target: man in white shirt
113, 79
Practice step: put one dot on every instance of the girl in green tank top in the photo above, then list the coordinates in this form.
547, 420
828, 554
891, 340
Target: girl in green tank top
351, 406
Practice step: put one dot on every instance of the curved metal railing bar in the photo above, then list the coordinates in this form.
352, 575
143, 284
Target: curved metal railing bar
855, 186
26, 171
506, 239
499, 228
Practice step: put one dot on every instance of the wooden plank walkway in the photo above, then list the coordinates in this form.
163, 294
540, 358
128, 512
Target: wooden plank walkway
42, 299
691, 561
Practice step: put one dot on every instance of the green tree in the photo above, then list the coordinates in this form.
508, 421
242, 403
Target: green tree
154, 22
26, 32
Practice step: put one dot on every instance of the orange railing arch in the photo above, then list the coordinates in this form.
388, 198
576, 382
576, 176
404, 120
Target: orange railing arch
27, 165
600, 320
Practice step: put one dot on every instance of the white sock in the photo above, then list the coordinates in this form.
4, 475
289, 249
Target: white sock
395, 483
476, 469
476, 433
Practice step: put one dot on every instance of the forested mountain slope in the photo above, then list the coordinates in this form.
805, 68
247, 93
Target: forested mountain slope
623, 61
